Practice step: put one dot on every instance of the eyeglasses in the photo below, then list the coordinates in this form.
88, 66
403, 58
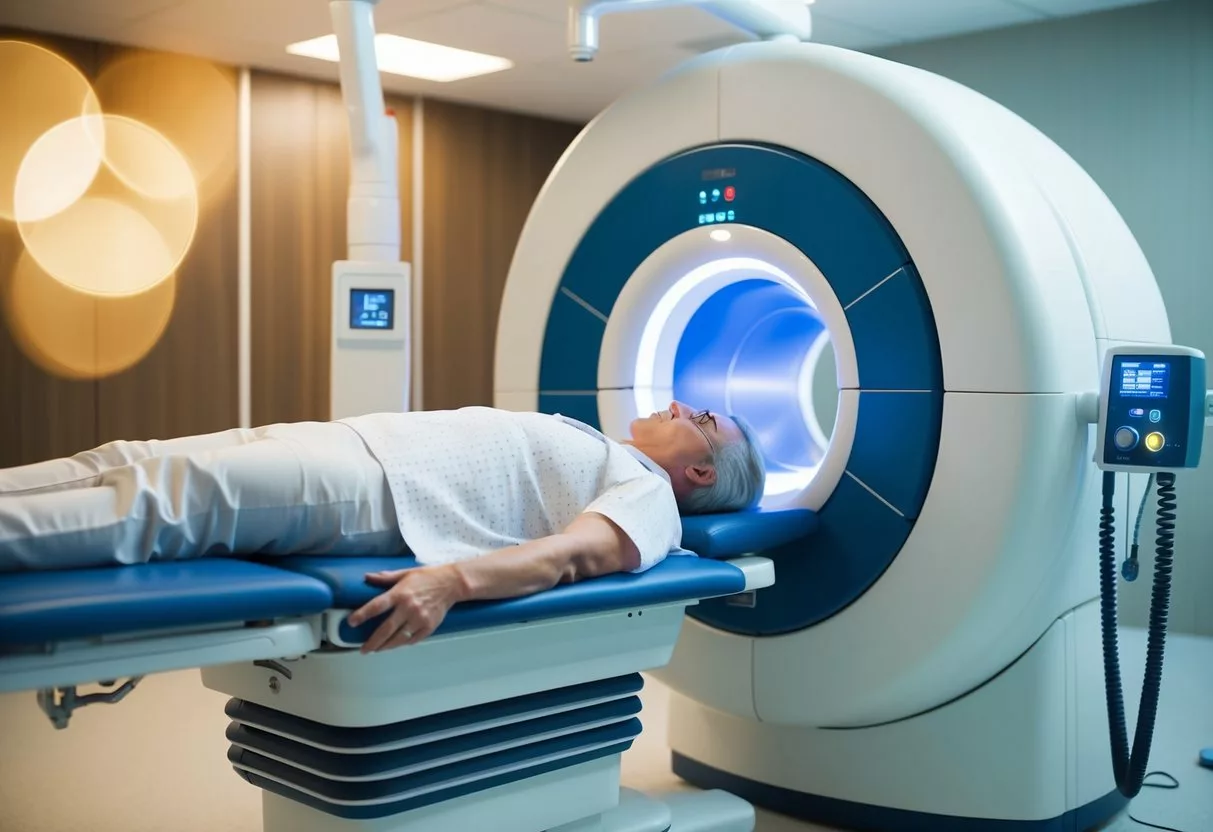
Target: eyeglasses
702, 418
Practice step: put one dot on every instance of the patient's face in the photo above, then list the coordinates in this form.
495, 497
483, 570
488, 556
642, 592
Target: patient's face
681, 436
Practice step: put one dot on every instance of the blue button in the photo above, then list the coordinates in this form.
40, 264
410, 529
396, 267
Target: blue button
1155, 415
1137, 412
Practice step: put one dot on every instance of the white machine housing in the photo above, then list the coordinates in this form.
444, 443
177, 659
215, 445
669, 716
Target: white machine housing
1031, 275
370, 366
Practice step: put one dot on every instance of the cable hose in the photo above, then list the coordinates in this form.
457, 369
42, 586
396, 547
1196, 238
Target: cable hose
1129, 766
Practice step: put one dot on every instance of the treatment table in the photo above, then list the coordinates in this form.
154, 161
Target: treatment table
512, 716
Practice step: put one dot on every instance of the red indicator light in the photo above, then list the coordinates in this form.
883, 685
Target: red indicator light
729, 193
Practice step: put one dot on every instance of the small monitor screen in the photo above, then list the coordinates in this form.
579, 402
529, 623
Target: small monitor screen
372, 308
1144, 379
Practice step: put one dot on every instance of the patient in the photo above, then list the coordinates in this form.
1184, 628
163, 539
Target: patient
492, 503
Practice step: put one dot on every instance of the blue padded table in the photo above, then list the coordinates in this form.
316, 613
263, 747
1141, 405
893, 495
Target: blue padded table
39, 607
56, 605
677, 578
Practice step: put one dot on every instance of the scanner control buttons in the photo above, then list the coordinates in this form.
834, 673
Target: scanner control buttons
1126, 438
1155, 442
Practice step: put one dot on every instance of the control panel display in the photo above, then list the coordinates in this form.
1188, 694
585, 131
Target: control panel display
1144, 379
372, 308
1148, 411
716, 204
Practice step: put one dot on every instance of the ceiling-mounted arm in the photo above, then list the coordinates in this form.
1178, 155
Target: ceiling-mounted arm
354, 26
373, 208
767, 19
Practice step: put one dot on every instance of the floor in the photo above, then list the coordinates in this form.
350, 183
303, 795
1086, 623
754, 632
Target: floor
156, 762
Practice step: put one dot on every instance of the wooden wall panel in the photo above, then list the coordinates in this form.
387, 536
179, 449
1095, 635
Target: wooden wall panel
300, 181
483, 170
41, 416
187, 383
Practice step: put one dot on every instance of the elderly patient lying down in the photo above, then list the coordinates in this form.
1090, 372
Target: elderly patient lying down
492, 503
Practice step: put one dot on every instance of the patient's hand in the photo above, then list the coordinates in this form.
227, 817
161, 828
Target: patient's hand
418, 600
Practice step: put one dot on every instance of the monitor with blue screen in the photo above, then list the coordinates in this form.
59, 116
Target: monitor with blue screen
372, 308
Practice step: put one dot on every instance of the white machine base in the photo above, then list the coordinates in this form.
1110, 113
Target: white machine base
1027, 750
534, 805
468, 730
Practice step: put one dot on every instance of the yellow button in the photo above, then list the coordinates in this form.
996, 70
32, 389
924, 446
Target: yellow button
1155, 441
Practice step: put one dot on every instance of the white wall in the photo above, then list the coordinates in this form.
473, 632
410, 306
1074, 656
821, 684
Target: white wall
1129, 94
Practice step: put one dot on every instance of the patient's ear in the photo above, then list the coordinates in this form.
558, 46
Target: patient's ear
702, 475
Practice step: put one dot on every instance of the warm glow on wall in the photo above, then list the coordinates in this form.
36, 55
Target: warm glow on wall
78, 335
39, 90
105, 203
150, 88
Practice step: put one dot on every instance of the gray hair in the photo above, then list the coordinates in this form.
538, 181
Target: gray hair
741, 475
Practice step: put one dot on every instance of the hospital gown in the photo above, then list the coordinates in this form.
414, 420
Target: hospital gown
470, 481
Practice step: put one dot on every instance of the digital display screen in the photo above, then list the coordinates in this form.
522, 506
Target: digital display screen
715, 204
1144, 379
372, 308
718, 216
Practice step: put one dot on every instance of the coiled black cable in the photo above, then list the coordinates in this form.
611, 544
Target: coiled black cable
1129, 765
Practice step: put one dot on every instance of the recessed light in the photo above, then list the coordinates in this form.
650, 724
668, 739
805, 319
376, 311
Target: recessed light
412, 58
720, 235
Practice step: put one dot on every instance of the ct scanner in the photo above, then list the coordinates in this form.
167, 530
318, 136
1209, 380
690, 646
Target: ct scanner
943, 332
930, 652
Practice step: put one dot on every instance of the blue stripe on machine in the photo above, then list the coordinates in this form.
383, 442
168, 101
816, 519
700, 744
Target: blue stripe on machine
365, 765
38, 607
576, 335
790, 195
580, 406
896, 343
383, 797
438, 726
896, 446
816, 577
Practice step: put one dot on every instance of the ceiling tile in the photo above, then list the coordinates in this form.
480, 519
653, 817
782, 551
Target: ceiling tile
557, 10
494, 30
1065, 8
212, 20
636, 46
116, 9
923, 19
394, 12
568, 90
61, 17
829, 30
668, 27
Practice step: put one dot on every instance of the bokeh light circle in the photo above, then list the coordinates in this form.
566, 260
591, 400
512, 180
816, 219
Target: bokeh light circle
77, 335
40, 90
133, 228
147, 162
58, 169
151, 87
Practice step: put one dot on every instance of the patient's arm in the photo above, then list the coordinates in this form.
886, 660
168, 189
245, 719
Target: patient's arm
591, 546
419, 598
